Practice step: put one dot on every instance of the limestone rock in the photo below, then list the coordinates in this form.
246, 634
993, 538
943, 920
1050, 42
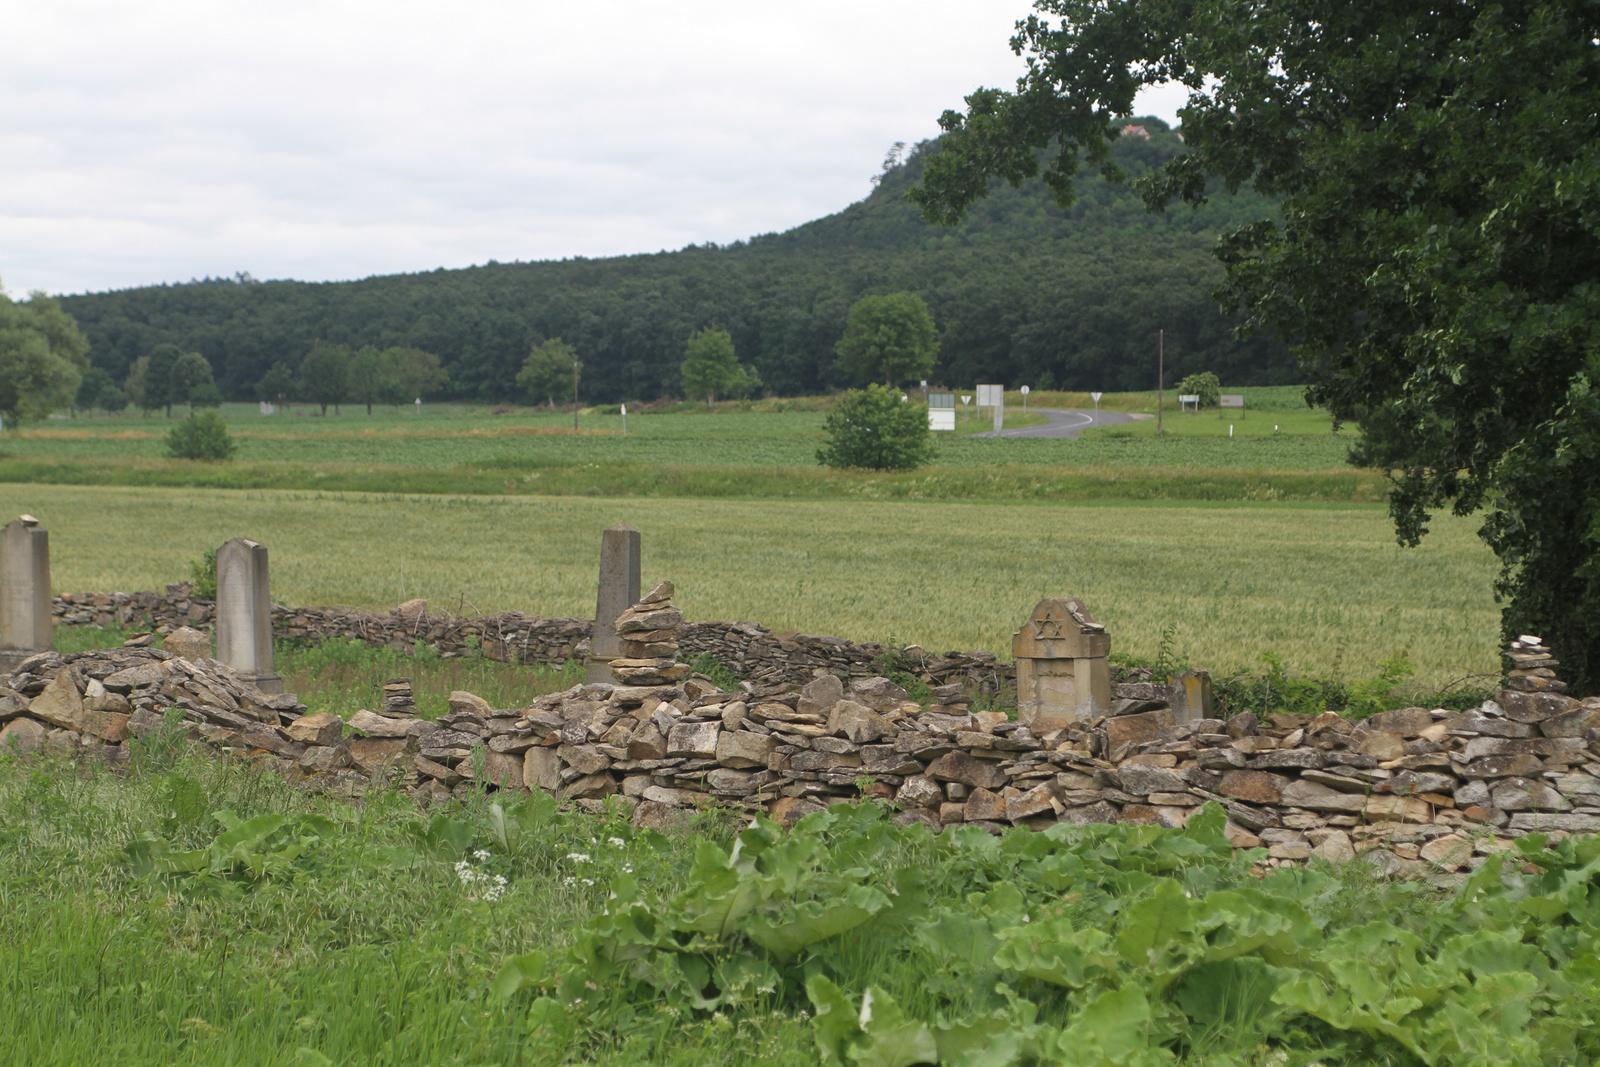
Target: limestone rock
1253, 787
983, 805
60, 704
1335, 847
460, 701
541, 769
12, 704
109, 726
1141, 780
1407, 722
319, 728
919, 791
365, 722
820, 695
647, 742
503, 770
695, 739
320, 758
188, 643
23, 737
370, 755
741, 748
1040, 800
1137, 729
877, 693
643, 617
1382, 745
1314, 797
858, 722
960, 767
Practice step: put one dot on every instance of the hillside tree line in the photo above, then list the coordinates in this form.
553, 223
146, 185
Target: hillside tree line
1023, 291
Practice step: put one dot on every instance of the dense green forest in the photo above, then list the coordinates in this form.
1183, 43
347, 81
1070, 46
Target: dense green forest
1022, 292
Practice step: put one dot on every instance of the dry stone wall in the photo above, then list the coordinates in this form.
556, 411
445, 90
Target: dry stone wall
765, 657
1424, 789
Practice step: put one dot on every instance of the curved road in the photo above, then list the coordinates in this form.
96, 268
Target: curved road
1064, 423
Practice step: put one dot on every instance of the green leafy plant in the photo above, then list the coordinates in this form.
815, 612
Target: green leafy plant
247, 850
204, 436
874, 429
1204, 385
713, 668
203, 574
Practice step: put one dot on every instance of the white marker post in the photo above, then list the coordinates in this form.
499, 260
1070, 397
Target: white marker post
624, 420
419, 405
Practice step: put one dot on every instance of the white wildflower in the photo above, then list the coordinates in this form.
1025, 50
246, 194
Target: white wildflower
579, 857
482, 853
616, 842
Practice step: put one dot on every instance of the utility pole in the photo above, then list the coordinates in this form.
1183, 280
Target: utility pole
1161, 373
575, 366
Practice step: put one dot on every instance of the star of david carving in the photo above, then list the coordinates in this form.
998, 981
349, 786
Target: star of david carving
1047, 629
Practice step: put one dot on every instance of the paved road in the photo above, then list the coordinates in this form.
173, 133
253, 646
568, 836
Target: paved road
1065, 423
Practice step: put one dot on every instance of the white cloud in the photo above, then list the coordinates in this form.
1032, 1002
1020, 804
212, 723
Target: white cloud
337, 139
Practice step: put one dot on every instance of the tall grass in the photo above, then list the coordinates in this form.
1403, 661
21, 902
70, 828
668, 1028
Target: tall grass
345, 676
1326, 587
369, 949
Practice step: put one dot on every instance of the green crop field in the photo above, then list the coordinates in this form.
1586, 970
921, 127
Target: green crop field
1324, 586
745, 450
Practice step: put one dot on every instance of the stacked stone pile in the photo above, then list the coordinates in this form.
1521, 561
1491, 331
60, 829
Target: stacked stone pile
96, 700
1430, 788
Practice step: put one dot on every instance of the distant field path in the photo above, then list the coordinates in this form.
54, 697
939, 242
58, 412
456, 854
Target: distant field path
1065, 422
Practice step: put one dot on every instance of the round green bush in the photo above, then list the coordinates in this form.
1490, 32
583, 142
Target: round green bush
203, 435
874, 429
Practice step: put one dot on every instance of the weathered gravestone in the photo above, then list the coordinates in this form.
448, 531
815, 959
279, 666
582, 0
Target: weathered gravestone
619, 591
1061, 662
244, 613
25, 623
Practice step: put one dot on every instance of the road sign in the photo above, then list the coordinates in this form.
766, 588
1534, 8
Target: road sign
1097, 397
991, 396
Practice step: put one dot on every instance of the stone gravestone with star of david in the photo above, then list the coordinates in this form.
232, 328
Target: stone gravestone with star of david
1061, 662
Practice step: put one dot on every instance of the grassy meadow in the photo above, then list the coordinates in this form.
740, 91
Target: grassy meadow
743, 450
1325, 586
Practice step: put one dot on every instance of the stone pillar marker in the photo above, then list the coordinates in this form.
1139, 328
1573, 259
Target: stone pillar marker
1061, 662
619, 591
244, 613
25, 623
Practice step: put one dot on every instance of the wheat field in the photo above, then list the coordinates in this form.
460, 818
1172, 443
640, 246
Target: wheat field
1324, 586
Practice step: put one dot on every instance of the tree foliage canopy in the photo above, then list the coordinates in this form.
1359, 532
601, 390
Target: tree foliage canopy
1439, 172
1022, 290
711, 367
873, 428
891, 336
43, 356
547, 370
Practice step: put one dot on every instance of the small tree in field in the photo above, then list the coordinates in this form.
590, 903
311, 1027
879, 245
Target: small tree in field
1204, 385
203, 435
710, 368
875, 429
547, 370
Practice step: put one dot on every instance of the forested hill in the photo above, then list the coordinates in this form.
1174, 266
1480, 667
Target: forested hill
1022, 292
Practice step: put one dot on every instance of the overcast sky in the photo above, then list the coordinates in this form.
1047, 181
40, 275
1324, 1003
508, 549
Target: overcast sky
167, 140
